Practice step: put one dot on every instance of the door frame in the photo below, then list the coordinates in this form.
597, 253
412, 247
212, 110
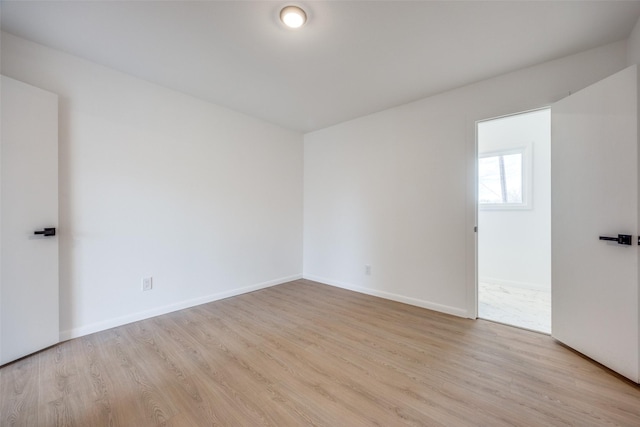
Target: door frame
475, 294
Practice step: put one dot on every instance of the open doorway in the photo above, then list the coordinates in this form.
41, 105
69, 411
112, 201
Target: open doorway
514, 220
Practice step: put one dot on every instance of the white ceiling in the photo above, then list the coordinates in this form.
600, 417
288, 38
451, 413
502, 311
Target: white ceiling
351, 58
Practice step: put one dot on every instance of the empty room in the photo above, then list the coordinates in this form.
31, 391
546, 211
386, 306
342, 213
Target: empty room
246, 213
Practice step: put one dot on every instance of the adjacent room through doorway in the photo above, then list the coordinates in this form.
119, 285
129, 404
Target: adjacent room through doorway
514, 220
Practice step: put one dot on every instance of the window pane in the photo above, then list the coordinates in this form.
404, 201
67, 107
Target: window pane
490, 189
500, 179
513, 177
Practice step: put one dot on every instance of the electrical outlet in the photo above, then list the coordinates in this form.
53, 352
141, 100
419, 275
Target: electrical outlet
367, 269
147, 284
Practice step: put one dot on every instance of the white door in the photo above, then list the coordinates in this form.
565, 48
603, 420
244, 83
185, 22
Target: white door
28, 203
594, 172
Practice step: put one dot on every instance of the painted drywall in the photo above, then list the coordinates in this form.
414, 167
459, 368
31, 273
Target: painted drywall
633, 45
155, 183
514, 245
396, 190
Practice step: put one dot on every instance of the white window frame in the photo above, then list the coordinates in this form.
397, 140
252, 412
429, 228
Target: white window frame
527, 178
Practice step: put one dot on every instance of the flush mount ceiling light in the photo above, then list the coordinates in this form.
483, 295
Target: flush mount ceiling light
293, 16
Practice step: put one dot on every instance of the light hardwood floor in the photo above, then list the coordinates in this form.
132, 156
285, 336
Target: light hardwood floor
303, 353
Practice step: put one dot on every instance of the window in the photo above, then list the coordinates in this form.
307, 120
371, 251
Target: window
502, 180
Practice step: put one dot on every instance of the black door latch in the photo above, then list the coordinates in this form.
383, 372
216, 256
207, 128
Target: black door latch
47, 232
622, 239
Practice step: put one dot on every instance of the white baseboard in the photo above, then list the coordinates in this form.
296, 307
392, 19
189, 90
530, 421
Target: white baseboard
130, 318
521, 285
455, 311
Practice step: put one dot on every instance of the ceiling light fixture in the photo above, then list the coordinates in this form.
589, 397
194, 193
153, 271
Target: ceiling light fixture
293, 16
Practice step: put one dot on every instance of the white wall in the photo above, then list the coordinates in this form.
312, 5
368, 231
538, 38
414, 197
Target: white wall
396, 189
633, 45
153, 182
208, 201
514, 245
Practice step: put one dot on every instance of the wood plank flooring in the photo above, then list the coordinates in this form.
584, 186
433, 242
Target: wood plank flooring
303, 353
